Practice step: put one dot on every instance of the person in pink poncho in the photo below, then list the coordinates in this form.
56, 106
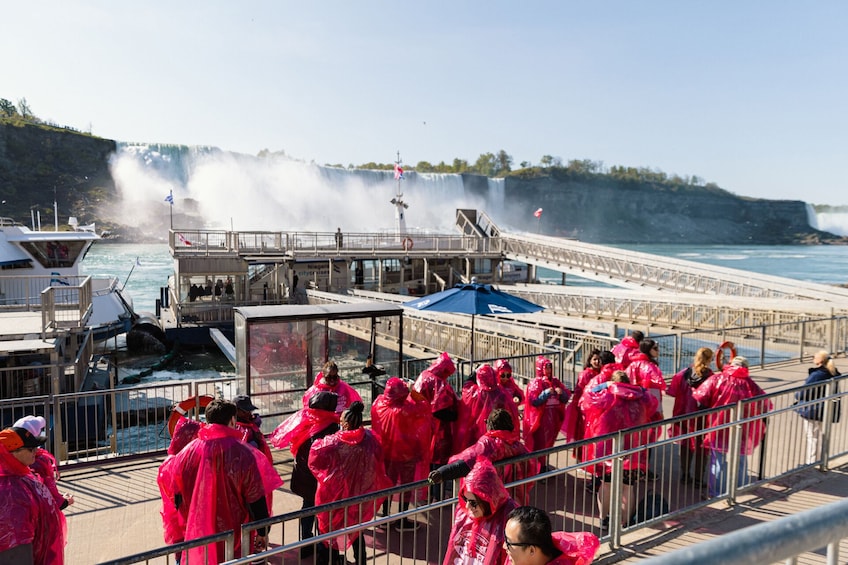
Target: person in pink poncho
544, 410
627, 348
609, 407
479, 398
573, 425
173, 521
328, 381
530, 540
402, 423
348, 463
477, 534
32, 528
683, 384
220, 483
644, 370
299, 431
45, 464
504, 371
501, 441
433, 385
731, 385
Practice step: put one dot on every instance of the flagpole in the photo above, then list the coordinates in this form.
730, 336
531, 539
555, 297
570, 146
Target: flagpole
171, 207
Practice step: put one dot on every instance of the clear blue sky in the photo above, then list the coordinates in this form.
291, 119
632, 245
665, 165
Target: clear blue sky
749, 95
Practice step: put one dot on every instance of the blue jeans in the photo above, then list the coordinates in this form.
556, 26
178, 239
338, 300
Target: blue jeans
717, 480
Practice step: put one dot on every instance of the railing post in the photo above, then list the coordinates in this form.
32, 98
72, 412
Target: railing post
617, 480
734, 453
828, 412
802, 340
762, 346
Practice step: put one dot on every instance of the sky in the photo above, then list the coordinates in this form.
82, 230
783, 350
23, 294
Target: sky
752, 96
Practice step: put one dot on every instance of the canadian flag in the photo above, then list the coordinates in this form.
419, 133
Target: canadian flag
538, 213
183, 239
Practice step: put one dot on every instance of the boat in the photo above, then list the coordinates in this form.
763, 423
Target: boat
34, 260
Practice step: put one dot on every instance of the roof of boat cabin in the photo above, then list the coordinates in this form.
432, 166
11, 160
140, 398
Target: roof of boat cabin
293, 312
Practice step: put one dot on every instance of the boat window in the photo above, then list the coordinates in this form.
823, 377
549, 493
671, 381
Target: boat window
54, 253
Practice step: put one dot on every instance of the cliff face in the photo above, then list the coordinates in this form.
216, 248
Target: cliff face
35, 160
604, 211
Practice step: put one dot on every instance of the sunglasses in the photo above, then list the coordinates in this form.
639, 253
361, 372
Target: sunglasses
30, 449
510, 545
470, 503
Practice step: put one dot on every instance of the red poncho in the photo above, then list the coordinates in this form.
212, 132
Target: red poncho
402, 424
645, 373
252, 434
619, 406
625, 350
681, 388
173, 521
577, 548
480, 541
496, 445
301, 426
28, 513
218, 476
728, 387
432, 384
45, 468
573, 426
542, 423
478, 400
347, 463
508, 383
346, 393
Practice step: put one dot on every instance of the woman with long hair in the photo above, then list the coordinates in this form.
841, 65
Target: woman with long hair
681, 387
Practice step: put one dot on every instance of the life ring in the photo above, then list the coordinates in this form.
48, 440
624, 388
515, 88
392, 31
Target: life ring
719, 356
183, 408
407, 243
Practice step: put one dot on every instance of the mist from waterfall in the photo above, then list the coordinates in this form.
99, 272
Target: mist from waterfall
833, 222
276, 193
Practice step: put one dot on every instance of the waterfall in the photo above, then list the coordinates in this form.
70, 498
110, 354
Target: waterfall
278, 193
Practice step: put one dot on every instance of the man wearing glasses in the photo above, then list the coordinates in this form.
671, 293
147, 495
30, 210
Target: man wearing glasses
31, 524
328, 381
529, 540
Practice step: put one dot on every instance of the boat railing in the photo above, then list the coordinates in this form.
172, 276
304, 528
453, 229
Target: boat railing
66, 306
293, 244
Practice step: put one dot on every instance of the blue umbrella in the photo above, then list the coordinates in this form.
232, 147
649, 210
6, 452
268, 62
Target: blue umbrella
474, 299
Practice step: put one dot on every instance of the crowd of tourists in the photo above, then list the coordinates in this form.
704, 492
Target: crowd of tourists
219, 475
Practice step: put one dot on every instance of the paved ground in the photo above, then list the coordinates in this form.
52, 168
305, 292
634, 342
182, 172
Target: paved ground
117, 506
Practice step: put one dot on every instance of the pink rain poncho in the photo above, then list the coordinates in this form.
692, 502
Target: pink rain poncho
503, 368
480, 540
502, 444
402, 424
432, 384
346, 393
347, 463
544, 410
619, 406
478, 400
645, 373
682, 385
573, 425
578, 548
217, 476
45, 468
28, 513
625, 350
728, 387
173, 521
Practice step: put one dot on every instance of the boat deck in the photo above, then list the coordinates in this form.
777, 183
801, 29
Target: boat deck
117, 506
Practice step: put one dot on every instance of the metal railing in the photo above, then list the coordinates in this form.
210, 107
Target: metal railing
568, 490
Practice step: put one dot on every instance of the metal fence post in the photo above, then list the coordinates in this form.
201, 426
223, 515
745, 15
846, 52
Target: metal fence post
734, 453
615, 492
830, 409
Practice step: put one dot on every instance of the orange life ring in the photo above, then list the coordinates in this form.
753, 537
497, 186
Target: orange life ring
719, 356
407, 243
183, 408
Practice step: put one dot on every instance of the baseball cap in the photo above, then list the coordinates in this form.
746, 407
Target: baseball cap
16, 438
243, 402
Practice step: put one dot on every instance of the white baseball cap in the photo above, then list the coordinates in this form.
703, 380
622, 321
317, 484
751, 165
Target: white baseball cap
33, 424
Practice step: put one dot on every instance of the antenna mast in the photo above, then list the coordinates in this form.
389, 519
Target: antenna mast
400, 205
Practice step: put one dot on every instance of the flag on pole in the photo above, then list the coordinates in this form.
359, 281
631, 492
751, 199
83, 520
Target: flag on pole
538, 213
170, 198
184, 240
137, 262
398, 171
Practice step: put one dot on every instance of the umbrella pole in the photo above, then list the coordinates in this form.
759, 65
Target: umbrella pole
472, 343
